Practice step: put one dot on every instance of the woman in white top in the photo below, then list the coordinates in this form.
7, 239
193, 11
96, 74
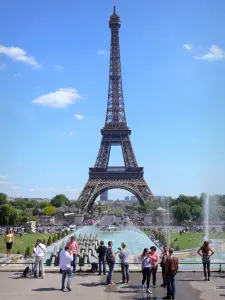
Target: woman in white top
146, 269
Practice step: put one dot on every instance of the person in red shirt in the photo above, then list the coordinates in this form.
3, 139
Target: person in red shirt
154, 256
73, 245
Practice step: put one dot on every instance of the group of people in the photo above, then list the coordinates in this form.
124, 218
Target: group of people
149, 259
149, 264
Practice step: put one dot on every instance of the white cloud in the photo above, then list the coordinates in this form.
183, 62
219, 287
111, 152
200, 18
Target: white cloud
188, 47
4, 182
71, 133
31, 190
70, 189
79, 117
2, 67
17, 74
38, 87
58, 67
14, 187
102, 52
215, 53
3, 177
59, 99
16, 53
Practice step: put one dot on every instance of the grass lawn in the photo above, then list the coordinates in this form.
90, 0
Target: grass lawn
22, 243
190, 240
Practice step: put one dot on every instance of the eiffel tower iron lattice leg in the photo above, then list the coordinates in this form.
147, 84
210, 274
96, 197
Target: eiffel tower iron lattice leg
130, 177
94, 188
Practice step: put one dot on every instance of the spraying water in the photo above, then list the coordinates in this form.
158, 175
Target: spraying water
167, 220
206, 218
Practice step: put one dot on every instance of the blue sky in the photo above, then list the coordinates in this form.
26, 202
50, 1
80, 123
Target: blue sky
54, 61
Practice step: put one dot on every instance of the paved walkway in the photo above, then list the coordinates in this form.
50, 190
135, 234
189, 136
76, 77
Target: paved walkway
189, 286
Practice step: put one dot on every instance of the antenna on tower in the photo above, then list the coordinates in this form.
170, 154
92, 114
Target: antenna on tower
114, 7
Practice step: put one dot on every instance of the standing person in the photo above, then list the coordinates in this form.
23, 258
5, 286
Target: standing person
39, 254
9, 240
146, 269
73, 245
154, 256
124, 256
110, 259
171, 269
101, 257
204, 252
163, 258
65, 260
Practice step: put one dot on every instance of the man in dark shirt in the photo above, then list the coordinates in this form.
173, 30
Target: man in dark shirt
101, 257
171, 268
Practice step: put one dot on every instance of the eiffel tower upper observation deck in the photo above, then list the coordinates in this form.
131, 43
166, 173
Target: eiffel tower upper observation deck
115, 132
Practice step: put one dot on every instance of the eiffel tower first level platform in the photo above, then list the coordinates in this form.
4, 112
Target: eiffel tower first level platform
103, 177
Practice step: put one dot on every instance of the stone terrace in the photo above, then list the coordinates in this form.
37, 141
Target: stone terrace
189, 286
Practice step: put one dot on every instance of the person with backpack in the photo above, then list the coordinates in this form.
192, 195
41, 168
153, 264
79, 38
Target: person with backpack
171, 268
163, 258
110, 259
39, 254
101, 257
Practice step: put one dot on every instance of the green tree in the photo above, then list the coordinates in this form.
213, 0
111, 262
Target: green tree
9, 215
177, 248
58, 236
25, 217
181, 212
44, 242
35, 211
62, 234
49, 241
20, 203
3, 198
28, 252
60, 200
196, 211
49, 211
43, 204
54, 238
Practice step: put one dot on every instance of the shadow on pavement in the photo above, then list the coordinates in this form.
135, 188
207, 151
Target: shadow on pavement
93, 284
190, 280
147, 297
45, 290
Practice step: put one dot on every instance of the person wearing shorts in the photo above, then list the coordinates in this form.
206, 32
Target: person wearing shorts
9, 240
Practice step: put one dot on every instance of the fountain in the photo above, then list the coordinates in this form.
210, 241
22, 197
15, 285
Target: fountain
206, 218
167, 220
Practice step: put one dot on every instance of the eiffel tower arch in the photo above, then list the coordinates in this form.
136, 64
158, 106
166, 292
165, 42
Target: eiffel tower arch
103, 177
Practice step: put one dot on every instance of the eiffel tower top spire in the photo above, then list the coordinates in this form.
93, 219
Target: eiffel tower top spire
115, 115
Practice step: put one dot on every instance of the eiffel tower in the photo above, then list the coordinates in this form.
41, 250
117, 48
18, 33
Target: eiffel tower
115, 132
